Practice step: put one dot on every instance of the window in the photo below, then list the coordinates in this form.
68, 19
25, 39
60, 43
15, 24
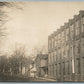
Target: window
82, 28
72, 31
63, 38
52, 42
82, 47
55, 56
67, 34
72, 51
59, 54
49, 44
62, 53
55, 41
63, 68
58, 40
52, 57
59, 68
66, 68
49, 70
78, 66
77, 48
77, 27
54, 70
49, 59
67, 51
83, 65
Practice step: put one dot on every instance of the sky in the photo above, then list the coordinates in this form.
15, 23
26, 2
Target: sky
32, 25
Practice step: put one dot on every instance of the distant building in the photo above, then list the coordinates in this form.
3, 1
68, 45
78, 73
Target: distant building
32, 70
66, 50
41, 62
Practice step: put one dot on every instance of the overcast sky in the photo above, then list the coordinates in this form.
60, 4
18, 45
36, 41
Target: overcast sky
32, 25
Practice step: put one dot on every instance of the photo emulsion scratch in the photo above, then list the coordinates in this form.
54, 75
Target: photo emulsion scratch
41, 41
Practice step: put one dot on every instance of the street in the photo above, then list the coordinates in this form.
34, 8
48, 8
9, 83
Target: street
5, 78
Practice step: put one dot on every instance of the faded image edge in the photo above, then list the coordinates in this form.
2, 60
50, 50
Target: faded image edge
61, 61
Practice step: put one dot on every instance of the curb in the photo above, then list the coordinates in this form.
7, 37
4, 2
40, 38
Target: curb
48, 79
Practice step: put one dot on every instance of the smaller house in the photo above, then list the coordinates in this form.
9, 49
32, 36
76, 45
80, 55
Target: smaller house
41, 62
32, 70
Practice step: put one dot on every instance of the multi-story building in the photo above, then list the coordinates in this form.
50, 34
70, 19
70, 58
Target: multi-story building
66, 51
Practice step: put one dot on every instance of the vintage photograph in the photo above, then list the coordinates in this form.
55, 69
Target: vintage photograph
41, 41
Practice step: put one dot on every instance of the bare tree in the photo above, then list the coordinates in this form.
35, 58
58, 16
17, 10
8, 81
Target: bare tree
4, 15
3, 19
18, 58
41, 49
12, 4
38, 50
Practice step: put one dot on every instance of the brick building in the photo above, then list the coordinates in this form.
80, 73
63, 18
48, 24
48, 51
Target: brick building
66, 50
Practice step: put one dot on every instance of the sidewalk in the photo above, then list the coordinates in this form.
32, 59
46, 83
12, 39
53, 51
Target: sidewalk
46, 79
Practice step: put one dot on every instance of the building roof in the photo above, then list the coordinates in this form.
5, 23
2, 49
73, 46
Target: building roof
75, 17
42, 56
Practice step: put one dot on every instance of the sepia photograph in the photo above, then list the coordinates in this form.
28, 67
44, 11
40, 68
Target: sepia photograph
42, 41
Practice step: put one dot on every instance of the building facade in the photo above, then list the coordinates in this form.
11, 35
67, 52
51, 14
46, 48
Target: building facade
41, 65
66, 51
